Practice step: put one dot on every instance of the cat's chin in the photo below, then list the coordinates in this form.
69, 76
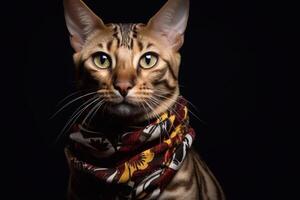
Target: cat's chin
124, 110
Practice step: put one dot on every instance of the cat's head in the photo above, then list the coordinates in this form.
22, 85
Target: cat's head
133, 67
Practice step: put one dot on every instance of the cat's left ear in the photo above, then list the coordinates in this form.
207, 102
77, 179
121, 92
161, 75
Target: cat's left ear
171, 22
81, 22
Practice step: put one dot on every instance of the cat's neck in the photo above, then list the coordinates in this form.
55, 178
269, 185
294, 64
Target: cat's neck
110, 124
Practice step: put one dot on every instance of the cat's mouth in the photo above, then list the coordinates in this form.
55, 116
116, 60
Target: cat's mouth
125, 109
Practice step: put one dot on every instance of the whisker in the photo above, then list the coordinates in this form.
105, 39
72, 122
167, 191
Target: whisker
70, 102
75, 116
155, 115
189, 102
92, 112
144, 108
152, 109
98, 107
89, 112
169, 108
174, 101
71, 95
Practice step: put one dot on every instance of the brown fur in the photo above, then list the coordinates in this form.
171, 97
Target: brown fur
149, 91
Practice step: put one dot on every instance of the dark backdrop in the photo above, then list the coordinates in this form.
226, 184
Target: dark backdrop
234, 70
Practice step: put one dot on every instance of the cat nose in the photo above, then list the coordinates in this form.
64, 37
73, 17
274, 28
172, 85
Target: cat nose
123, 87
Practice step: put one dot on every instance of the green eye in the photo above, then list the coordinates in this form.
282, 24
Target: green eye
102, 60
148, 60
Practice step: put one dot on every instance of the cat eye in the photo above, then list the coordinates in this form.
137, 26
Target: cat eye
148, 60
102, 60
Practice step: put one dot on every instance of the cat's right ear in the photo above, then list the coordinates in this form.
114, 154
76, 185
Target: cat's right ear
81, 22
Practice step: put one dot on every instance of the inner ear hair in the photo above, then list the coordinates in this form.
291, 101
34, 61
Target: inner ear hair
81, 22
171, 21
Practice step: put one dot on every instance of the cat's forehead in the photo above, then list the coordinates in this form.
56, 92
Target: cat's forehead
115, 38
131, 38
125, 33
124, 28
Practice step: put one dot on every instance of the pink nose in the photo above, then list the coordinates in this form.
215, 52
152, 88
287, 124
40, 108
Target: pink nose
123, 87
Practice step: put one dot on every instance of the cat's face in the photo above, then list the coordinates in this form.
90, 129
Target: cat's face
133, 67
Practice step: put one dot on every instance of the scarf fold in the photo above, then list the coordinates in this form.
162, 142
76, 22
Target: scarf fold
147, 159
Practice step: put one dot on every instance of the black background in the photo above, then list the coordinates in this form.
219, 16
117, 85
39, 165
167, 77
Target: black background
234, 70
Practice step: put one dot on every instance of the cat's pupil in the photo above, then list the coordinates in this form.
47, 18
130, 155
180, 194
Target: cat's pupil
148, 59
103, 58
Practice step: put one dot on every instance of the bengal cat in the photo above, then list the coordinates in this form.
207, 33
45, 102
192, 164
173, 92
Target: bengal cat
134, 141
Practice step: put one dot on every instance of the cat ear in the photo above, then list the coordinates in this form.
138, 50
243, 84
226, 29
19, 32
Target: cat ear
81, 22
171, 21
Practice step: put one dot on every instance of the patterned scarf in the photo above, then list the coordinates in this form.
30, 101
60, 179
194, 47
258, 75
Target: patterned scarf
143, 160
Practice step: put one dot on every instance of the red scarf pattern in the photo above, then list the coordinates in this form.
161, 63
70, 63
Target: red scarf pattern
150, 157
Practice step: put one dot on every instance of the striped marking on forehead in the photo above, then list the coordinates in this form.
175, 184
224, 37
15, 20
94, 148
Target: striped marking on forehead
125, 34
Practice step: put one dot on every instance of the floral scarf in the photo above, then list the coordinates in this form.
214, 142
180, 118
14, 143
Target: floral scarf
143, 160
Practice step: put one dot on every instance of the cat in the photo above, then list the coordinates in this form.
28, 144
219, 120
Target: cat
133, 71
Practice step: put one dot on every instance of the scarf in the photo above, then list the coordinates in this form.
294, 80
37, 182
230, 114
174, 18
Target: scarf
143, 161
